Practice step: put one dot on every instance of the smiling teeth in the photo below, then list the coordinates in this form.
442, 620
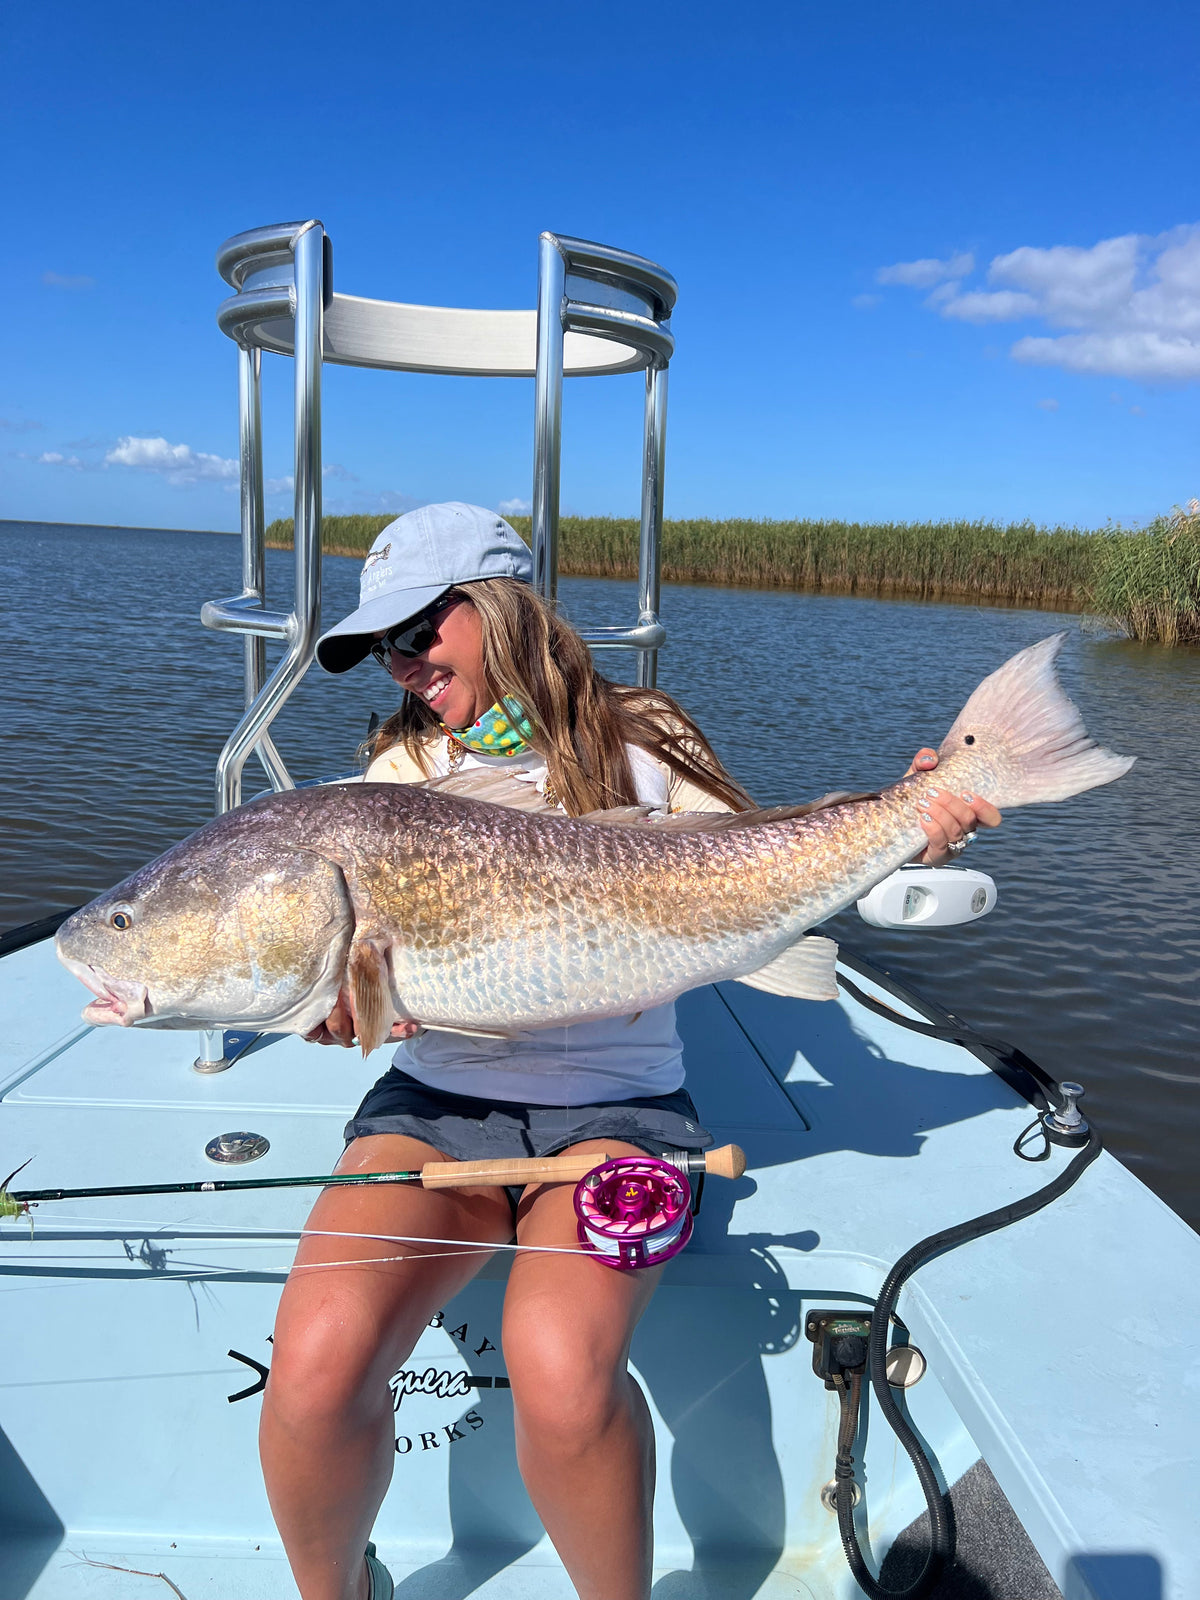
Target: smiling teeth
435, 688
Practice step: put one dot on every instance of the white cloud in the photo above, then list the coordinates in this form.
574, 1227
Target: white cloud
55, 458
342, 474
1129, 306
1149, 356
178, 463
515, 507
67, 280
944, 291
1005, 305
924, 274
283, 485
1073, 286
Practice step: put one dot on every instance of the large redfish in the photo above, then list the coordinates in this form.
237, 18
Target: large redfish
421, 903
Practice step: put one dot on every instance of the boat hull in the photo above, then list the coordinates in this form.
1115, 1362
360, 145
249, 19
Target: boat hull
133, 1323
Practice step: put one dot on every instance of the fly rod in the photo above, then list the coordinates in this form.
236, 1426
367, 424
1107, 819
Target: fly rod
726, 1162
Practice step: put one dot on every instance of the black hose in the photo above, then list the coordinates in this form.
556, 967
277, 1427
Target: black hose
850, 1400
1039, 1088
941, 1541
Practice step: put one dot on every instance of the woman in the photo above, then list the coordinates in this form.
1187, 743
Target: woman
492, 678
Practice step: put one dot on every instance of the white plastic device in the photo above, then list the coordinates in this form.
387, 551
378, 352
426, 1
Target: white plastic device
929, 897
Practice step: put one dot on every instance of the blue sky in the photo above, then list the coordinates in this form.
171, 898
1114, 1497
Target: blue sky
934, 260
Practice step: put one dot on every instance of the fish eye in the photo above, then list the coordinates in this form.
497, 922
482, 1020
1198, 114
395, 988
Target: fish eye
969, 739
120, 920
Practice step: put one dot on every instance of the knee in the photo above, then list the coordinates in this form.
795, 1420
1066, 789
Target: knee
568, 1385
328, 1369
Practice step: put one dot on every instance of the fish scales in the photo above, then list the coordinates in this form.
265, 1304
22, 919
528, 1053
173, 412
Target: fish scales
573, 910
456, 913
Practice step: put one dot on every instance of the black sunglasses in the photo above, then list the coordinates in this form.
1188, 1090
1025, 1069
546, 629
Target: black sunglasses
411, 638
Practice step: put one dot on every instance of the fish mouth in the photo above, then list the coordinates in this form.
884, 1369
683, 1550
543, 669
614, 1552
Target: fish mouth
118, 1000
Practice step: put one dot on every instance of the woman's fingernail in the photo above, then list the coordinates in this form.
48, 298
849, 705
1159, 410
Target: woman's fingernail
925, 817
932, 795
967, 795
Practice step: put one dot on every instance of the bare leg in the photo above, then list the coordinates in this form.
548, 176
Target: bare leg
327, 1439
584, 1438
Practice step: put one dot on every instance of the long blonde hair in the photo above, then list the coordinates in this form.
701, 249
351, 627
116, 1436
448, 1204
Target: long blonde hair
582, 722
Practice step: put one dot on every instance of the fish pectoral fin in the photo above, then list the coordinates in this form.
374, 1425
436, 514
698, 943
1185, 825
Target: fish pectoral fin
370, 989
805, 971
472, 1033
494, 788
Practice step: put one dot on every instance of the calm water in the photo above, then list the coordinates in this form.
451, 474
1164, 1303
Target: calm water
114, 704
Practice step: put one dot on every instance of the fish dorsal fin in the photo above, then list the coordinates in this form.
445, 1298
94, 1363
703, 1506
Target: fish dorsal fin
494, 788
616, 815
805, 971
715, 821
502, 789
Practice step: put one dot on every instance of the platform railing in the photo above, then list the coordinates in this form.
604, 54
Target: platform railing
297, 261
600, 310
586, 288
292, 270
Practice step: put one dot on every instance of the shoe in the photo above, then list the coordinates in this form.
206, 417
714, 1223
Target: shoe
381, 1586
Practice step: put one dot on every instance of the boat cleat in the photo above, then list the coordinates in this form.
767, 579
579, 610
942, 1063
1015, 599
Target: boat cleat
1065, 1124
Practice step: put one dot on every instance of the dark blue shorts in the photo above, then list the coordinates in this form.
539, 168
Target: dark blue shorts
468, 1129
476, 1130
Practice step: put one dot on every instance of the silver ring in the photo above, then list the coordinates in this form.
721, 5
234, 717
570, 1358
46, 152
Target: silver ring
957, 846
968, 838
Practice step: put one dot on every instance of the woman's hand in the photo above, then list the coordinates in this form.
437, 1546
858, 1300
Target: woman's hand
338, 1027
947, 817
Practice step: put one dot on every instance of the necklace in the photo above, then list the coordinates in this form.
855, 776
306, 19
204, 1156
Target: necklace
456, 754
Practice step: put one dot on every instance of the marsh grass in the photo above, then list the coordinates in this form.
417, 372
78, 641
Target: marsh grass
340, 536
1016, 565
976, 561
1148, 581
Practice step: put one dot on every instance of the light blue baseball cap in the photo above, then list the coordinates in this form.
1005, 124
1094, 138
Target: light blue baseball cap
413, 561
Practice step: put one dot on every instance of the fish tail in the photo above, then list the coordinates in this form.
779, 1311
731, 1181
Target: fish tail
1021, 726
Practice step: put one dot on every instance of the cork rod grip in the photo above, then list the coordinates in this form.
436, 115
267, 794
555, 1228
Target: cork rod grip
727, 1162
550, 1169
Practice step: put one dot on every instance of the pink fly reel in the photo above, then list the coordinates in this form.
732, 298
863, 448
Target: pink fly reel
634, 1212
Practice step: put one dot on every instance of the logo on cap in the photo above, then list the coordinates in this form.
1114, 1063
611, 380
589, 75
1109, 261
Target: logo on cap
376, 555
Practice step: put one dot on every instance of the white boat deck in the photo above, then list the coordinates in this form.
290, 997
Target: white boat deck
1060, 1348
